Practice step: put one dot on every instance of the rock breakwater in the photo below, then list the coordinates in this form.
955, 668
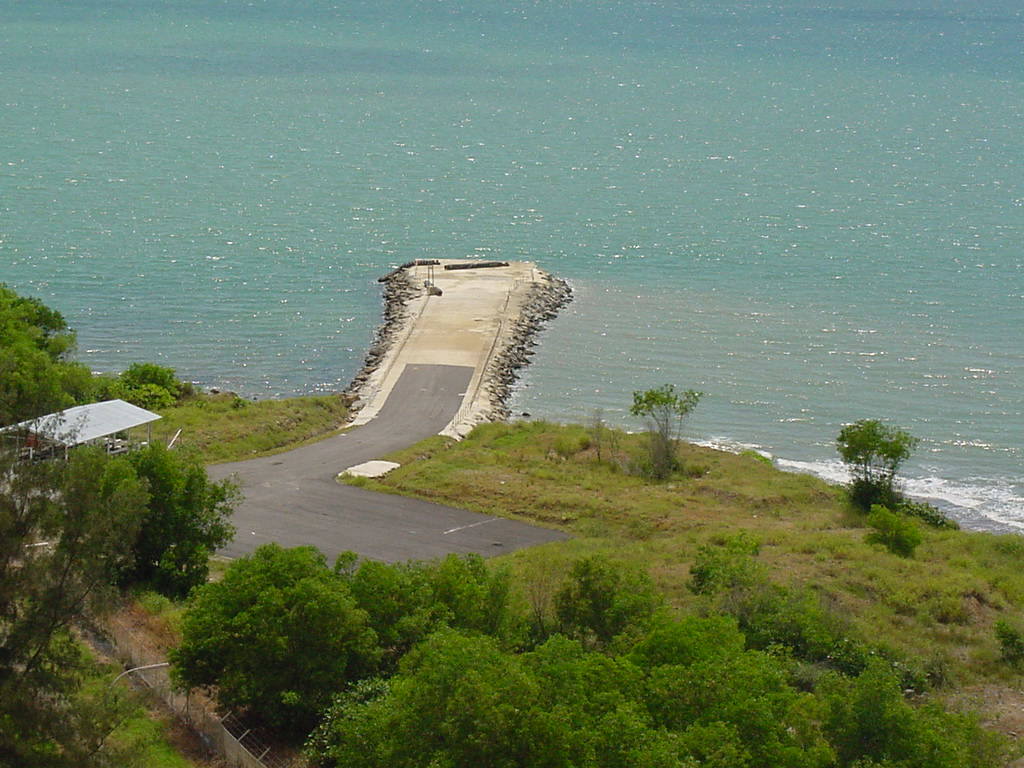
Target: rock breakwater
399, 289
542, 303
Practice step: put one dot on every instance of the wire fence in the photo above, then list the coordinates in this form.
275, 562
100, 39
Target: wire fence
227, 736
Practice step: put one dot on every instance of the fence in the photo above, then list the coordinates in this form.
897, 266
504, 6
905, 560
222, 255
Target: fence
239, 746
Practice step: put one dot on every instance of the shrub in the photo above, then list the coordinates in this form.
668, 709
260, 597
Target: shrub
600, 601
897, 533
726, 566
279, 635
870, 723
569, 442
926, 513
1011, 642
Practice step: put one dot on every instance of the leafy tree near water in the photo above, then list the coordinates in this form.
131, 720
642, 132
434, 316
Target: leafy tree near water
37, 375
664, 408
147, 385
874, 452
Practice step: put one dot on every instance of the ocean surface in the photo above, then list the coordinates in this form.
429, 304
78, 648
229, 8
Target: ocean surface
812, 210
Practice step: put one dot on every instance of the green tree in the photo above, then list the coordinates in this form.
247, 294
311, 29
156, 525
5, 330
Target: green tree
64, 531
771, 723
37, 375
689, 640
473, 597
460, 700
870, 723
873, 452
399, 605
149, 385
600, 601
664, 409
278, 636
405, 602
187, 519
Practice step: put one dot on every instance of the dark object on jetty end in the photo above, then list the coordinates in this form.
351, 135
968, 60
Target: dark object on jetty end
477, 265
413, 263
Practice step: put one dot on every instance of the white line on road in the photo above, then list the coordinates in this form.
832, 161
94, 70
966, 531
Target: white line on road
471, 525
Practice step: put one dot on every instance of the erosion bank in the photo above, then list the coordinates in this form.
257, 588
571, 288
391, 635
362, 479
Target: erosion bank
444, 313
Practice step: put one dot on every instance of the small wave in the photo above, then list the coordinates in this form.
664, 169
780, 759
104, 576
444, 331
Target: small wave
981, 501
832, 470
731, 446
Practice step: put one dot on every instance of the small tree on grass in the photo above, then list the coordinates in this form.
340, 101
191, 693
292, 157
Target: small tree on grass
873, 452
664, 409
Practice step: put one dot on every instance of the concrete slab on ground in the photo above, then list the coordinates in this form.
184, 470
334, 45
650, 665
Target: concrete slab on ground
370, 469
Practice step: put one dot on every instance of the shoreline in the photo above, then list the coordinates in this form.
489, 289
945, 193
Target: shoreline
528, 308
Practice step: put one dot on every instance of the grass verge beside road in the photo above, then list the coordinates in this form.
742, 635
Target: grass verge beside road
225, 427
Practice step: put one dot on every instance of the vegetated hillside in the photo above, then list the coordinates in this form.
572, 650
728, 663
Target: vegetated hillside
936, 611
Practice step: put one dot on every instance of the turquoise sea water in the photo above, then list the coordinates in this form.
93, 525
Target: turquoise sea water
813, 211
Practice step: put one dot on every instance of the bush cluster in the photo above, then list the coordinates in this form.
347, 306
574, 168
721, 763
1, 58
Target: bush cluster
439, 664
146, 385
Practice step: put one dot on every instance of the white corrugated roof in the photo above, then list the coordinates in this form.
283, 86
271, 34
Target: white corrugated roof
74, 426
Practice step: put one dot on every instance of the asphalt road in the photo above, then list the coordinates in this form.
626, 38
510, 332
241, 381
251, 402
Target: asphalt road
294, 498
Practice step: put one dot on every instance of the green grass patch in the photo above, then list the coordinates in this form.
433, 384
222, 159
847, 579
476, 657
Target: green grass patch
225, 427
142, 736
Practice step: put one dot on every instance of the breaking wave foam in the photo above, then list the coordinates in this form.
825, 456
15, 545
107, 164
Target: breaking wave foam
978, 503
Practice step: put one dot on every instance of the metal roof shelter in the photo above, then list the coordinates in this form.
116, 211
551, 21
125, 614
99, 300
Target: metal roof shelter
85, 423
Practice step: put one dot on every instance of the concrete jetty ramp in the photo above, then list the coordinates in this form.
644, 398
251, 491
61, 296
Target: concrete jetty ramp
432, 378
472, 323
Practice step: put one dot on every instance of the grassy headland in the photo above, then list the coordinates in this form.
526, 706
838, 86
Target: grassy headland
937, 609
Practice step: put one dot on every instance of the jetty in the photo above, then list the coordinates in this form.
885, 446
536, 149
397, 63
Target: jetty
443, 360
462, 313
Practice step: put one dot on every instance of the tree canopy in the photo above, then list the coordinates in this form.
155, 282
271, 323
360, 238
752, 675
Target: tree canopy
405, 666
873, 452
664, 408
37, 374
65, 530
186, 521
277, 636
